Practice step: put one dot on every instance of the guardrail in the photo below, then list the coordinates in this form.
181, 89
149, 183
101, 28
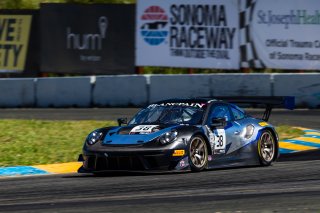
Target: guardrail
138, 90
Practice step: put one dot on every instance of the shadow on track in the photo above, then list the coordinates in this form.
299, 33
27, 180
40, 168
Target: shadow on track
301, 156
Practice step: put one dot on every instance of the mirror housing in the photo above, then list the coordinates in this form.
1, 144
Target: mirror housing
122, 121
218, 122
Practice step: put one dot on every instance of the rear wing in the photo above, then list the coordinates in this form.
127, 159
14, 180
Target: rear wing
269, 102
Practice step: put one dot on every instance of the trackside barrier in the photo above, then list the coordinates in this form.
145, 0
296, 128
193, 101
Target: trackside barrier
120, 91
240, 85
187, 86
138, 90
17, 92
63, 92
305, 87
182, 86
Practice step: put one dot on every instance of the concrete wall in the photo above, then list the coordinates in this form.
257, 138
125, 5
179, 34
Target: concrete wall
120, 91
188, 86
178, 86
17, 92
63, 92
240, 85
305, 87
138, 90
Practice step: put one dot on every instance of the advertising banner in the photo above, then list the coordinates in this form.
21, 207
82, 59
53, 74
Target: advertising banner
196, 34
87, 39
280, 34
14, 40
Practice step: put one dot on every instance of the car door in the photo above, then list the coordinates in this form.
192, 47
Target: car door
224, 136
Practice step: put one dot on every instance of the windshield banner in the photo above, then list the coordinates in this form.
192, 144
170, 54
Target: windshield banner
280, 34
194, 34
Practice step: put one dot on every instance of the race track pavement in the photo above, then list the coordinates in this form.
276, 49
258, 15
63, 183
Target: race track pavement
308, 142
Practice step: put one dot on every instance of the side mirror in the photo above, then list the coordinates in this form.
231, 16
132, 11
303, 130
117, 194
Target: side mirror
218, 122
122, 121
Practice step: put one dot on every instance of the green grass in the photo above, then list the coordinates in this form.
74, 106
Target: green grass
34, 142
287, 132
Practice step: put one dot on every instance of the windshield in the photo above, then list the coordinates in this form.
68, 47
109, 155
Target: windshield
169, 114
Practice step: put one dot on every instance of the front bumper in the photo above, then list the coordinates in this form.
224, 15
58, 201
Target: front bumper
157, 160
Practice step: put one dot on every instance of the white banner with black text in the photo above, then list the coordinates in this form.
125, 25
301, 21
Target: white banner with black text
193, 34
280, 34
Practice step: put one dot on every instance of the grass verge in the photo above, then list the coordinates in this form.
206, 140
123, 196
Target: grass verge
287, 132
34, 142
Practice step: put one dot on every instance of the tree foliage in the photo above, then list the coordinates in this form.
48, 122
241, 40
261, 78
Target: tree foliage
35, 4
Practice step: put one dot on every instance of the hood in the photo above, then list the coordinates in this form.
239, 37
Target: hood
135, 134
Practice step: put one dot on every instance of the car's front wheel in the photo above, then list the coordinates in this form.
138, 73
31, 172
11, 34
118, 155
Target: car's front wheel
198, 154
266, 148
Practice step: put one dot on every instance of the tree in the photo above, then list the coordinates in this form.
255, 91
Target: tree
35, 4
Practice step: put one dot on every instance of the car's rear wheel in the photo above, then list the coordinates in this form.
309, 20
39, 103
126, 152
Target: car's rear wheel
266, 148
198, 154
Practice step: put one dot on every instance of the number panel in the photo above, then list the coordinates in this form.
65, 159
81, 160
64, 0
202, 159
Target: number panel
220, 141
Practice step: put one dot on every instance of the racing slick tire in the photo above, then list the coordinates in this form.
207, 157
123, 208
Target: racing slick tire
198, 154
266, 148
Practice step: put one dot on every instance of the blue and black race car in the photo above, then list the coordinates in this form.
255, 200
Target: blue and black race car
186, 134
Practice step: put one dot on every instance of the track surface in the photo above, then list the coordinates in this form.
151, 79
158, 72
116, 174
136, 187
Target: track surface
284, 187
287, 186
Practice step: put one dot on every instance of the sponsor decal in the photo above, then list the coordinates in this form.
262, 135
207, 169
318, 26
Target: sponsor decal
143, 129
200, 31
182, 163
88, 41
154, 21
217, 139
195, 31
274, 33
263, 124
188, 31
178, 153
220, 141
197, 105
14, 39
292, 17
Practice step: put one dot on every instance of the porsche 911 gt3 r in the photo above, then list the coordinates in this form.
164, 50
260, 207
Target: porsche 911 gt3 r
185, 134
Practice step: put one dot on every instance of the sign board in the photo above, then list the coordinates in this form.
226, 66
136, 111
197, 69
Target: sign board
14, 40
196, 34
87, 39
280, 34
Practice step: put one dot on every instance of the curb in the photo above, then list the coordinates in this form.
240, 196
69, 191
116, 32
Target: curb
60, 168
307, 143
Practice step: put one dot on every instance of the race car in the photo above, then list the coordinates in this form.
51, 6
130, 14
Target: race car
186, 134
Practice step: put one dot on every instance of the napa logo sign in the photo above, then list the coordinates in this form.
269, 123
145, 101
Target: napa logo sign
153, 29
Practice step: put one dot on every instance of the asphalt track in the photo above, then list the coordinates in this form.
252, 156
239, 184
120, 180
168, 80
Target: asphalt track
291, 185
